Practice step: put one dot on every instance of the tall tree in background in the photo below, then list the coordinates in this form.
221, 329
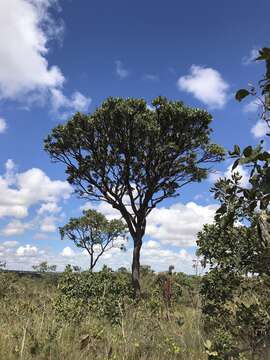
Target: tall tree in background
94, 233
133, 158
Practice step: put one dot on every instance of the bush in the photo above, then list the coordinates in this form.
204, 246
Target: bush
104, 293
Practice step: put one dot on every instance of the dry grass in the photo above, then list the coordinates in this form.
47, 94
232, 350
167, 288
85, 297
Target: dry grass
29, 330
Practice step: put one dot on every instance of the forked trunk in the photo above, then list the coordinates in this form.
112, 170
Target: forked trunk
136, 267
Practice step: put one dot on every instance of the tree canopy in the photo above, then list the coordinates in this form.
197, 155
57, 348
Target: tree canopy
94, 233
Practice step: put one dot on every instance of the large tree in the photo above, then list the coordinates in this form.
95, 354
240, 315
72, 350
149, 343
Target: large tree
94, 233
134, 157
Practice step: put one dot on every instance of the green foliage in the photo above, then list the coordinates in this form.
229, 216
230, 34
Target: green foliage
103, 293
235, 304
44, 267
241, 94
236, 248
94, 233
133, 158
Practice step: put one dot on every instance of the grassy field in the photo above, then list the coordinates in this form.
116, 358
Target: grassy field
31, 328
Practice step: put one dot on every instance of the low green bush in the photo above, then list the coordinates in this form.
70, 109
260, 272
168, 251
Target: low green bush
104, 293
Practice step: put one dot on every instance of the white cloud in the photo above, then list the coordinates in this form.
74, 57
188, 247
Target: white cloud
23, 257
103, 207
65, 106
259, 129
25, 74
50, 207
3, 125
228, 174
10, 244
27, 251
20, 191
176, 225
23, 46
67, 252
151, 244
179, 224
15, 227
206, 85
120, 70
48, 224
250, 58
252, 106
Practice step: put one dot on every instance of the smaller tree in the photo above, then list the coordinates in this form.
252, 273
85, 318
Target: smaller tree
94, 233
44, 267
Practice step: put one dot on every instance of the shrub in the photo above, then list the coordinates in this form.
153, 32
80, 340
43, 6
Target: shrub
104, 293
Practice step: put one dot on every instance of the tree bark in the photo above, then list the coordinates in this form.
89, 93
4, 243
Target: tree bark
136, 267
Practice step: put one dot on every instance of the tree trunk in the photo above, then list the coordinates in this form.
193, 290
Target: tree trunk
136, 267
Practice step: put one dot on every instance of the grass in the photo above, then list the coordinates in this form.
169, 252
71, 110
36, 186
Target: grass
30, 329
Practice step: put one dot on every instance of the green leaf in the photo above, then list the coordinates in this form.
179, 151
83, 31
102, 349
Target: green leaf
235, 164
247, 151
241, 94
236, 151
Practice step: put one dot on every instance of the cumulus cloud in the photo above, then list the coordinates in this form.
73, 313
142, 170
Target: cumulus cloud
250, 58
50, 207
175, 225
67, 252
20, 191
15, 227
3, 125
23, 47
103, 207
64, 106
26, 30
179, 224
10, 244
259, 129
206, 85
120, 70
48, 225
27, 251
18, 256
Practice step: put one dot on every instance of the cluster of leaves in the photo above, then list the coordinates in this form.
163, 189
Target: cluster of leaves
104, 293
236, 248
235, 291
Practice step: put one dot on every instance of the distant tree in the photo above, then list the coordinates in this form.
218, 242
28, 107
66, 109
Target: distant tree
133, 158
94, 233
2, 264
44, 267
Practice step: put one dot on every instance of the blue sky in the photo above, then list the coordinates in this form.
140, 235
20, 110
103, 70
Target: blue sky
57, 57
